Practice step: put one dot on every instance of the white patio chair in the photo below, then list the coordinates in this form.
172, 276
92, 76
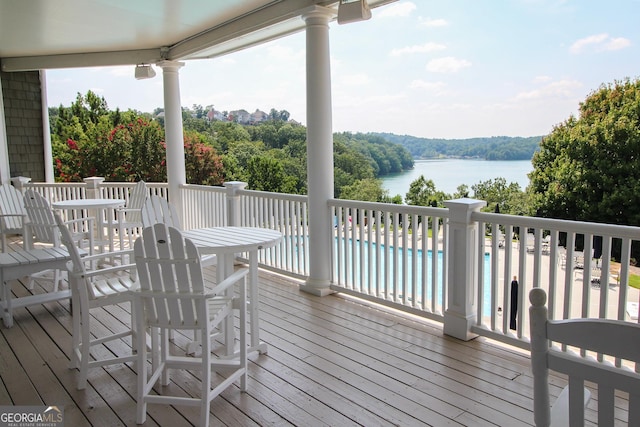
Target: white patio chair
91, 288
562, 256
129, 217
546, 244
610, 338
12, 213
530, 242
500, 237
158, 210
172, 296
42, 228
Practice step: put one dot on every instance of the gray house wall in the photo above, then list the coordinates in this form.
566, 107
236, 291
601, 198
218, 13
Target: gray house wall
23, 115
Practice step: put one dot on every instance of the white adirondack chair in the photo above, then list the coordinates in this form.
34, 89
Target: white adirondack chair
42, 228
616, 339
158, 210
91, 288
172, 296
129, 217
12, 213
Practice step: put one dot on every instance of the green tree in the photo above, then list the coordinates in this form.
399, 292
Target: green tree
227, 133
369, 190
422, 192
267, 174
588, 168
202, 165
509, 198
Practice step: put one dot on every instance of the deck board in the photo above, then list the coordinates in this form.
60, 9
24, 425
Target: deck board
331, 361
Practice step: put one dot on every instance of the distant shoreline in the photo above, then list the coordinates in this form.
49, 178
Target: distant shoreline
470, 158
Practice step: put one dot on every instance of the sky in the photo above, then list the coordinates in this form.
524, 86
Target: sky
426, 68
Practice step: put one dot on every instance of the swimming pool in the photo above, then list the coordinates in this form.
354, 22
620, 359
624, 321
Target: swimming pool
392, 272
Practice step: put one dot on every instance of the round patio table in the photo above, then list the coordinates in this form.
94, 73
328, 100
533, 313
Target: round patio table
104, 209
225, 242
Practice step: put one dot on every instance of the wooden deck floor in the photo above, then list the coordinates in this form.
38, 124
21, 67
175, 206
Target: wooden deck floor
332, 361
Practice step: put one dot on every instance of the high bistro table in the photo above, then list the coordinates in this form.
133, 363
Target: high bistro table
225, 242
101, 206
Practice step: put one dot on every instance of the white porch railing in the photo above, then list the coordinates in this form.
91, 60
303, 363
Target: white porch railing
581, 281
452, 265
219, 206
91, 188
394, 255
286, 213
204, 206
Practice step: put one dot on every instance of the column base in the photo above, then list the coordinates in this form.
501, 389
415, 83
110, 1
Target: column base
458, 326
319, 288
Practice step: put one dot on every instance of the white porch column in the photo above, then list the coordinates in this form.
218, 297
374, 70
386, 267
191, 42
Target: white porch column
174, 138
319, 150
462, 268
46, 133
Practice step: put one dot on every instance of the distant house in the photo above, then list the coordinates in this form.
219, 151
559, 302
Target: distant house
213, 114
259, 116
240, 116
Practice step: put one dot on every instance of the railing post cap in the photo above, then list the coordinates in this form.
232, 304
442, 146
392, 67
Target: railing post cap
94, 181
465, 201
238, 185
20, 179
460, 209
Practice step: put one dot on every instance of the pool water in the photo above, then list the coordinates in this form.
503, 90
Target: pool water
389, 273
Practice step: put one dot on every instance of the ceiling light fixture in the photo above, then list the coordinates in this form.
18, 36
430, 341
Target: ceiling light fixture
353, 11
144, 72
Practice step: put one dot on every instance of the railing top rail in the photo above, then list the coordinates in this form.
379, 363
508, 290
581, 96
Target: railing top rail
55, 184
272, 195
121, 184
404, 209
213, 188
621, 231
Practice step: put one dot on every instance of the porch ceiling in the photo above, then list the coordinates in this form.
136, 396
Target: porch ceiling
42, 34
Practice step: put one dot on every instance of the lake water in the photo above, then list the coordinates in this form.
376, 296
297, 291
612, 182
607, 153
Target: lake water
448, 174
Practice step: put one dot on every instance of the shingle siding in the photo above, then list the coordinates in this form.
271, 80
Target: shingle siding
23, 114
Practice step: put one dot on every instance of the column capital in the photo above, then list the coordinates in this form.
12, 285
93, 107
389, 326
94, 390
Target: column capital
319, 15
166, 64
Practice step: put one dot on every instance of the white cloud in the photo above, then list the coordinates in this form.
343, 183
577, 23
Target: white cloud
599, 43
617, 43
448, 64
560, 88
541, 79
401, 9
422, 48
